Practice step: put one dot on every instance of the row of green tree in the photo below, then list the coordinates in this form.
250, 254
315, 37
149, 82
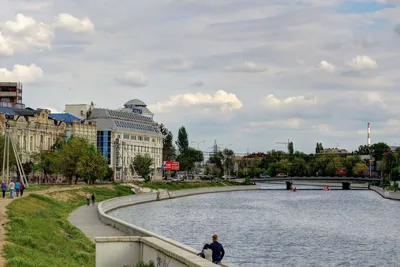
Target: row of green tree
73, 159
322, 163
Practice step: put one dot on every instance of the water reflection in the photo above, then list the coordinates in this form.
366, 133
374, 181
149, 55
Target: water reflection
281, 228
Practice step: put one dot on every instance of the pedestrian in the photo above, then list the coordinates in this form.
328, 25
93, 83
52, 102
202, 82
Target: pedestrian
3, 188
87, 199
21, 189
17, 187
218, 251
93, 199
12, 188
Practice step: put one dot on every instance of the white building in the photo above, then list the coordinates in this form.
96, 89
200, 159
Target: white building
124, 133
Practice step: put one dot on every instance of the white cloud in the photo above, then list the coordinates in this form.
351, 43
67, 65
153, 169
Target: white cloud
25, 32
247, 66
22, 73
292, 123
70, 23
362, 63
132, 78
272, 101
6, 47
225, 101
329, 67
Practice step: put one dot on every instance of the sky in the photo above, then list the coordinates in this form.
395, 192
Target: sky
247, 73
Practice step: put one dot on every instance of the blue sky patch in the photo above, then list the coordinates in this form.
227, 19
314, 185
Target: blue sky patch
351, 6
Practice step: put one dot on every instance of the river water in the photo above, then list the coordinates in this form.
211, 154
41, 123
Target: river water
354, 228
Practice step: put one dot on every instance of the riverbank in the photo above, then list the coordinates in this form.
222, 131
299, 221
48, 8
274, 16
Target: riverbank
39, 234
386, 194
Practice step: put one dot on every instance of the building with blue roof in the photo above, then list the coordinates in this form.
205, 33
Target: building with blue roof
77, 127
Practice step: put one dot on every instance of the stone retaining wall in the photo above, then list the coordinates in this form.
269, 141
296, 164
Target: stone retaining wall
133, 230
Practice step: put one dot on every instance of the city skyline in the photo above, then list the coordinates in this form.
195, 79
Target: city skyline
247, 73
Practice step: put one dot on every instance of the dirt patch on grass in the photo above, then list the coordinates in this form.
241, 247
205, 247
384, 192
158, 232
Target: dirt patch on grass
63, 196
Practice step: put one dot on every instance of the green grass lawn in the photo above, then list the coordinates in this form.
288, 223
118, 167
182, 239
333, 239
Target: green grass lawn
183, 185
39, 234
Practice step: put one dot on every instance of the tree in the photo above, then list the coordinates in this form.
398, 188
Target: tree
66, 159
109, 175
223, 160
183, 141
45, 163
142, 165
319, 148
92, 165
378, 150
362, 150
188, 159
290, 148
360, 169
168, 147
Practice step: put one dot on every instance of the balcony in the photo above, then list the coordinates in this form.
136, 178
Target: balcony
8, 94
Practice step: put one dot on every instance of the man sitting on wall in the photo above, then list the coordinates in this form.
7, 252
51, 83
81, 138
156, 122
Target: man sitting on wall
218, 251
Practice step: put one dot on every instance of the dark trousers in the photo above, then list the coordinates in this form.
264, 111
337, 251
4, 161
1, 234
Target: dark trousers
4, 193
22, 192
17, 192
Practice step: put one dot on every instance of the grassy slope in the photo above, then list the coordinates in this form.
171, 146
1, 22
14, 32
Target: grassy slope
39, 234
183, 185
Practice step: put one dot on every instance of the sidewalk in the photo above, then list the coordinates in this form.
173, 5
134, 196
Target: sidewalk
87, 220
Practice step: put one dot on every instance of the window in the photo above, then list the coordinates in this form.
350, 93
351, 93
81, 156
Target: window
147, 139
126, 136
135, 148
140, 138
153, 140
30, 143
49, 143
133, 137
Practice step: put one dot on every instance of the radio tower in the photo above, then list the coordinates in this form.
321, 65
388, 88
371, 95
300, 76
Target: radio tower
215, 147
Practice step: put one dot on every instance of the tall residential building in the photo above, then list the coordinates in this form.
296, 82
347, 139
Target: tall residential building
124, 133
11, 95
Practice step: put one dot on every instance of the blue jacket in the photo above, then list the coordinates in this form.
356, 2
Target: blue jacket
17, 185
218, 251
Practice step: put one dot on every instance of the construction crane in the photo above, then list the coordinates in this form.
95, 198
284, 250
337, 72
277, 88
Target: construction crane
285, 143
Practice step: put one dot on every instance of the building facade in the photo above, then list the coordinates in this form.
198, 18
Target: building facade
77, 127
124, 133
32, 130
11, 95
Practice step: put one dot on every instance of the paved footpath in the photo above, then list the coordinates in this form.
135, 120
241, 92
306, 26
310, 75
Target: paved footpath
87, 220
4, 202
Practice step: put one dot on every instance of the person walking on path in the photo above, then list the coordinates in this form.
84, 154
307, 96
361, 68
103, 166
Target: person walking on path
21, 189
17, 187
218, 251
93, 199
12, 188
87, 199
3, 188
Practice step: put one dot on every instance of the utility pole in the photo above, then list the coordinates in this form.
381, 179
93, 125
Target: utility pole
8, 141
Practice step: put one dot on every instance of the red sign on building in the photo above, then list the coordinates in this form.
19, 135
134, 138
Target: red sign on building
171, 166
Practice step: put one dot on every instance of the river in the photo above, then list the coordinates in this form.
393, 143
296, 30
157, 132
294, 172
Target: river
356, 228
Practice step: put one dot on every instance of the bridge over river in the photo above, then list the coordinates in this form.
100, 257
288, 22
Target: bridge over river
345, 181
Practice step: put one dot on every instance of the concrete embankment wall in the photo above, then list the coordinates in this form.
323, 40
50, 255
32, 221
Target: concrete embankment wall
135, 231
127, 251
386, 194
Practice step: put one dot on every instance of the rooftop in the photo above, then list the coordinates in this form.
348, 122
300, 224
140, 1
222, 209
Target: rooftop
65, 117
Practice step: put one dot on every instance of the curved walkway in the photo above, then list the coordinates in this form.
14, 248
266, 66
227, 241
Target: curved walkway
386, 194
86, 218
4, 202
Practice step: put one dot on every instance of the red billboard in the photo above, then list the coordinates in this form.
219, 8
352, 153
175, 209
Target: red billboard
171, 166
